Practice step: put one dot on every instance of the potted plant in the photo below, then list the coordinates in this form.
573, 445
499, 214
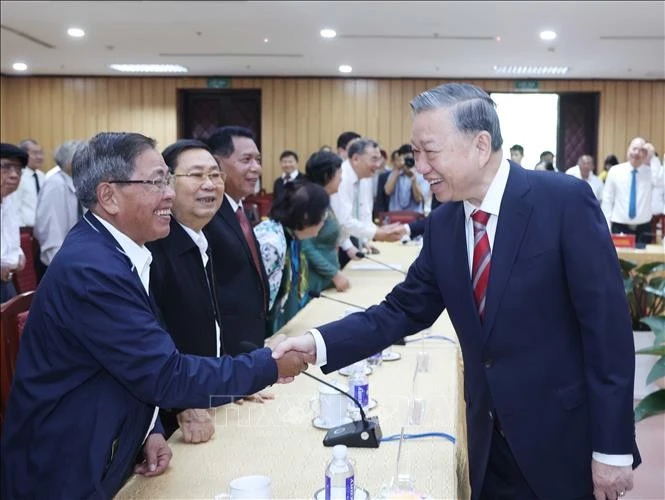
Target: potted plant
654, 403
645, 290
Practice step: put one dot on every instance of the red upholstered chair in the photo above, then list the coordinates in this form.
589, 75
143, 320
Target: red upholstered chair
262, 200
26, 280
657, 220
402, 216
13, 315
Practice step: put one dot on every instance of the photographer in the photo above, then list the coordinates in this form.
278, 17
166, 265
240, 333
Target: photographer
406, 188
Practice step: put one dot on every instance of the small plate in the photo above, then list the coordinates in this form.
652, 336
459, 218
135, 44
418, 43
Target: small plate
361, 494
346, 371
318, 423
391, 356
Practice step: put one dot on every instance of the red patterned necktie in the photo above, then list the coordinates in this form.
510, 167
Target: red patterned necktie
249, 237
480, 270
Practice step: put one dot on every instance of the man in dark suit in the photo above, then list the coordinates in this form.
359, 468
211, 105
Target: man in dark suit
524, 264
242, 284
94, 364
288, 160
182, 276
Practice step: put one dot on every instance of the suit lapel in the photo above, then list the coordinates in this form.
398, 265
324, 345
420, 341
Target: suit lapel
513, 220
460, 267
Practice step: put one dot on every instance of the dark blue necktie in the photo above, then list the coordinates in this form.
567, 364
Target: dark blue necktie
632, 204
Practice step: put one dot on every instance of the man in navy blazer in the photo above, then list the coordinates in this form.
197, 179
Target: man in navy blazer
94, 365
547, 340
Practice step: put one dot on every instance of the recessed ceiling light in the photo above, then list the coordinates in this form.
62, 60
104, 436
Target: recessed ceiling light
149, 68
547, 35
328, 33
498, 38
265, 40
531, 70
19, 66
345, 68
76, 32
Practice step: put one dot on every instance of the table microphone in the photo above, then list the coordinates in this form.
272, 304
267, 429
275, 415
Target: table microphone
361, 255
365, 433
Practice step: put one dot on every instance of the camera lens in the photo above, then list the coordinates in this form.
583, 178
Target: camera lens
409, 161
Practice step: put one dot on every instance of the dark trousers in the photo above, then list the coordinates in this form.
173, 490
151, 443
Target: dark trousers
642, 232
7, 291
503, 478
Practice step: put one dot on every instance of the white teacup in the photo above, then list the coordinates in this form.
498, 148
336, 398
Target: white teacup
330, 407
249, 488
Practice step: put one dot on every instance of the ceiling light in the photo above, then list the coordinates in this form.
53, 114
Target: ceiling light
345, 68
531, 70
76, 32
19, 66
149, 68
547, 35
265, 40
328, 33
498, 38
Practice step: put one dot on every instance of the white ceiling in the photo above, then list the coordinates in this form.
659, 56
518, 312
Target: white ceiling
380, 39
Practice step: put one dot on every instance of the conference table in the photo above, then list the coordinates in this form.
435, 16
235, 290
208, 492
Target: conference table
651, 253
278, 438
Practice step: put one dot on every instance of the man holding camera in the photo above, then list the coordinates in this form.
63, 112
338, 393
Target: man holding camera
406, 188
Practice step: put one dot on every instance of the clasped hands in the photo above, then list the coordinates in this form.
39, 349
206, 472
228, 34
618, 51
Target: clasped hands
292, 355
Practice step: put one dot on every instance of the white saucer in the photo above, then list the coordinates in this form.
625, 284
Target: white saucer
361, 494
391, 356
346, 371
318, 423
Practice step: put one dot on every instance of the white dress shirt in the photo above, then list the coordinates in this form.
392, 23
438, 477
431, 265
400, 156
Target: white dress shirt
51, 173
201, 242
290, 177
594, 181
10, 232
616, 195
57, 212
658, 193
491, 204
353, 204
26, 195
141, 258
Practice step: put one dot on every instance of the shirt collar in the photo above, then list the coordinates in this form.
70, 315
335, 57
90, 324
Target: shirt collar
290, 177
234, 204
348, 171
492, 201
139, 256
198, 237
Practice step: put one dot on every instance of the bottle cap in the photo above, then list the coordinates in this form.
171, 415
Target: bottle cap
339, 452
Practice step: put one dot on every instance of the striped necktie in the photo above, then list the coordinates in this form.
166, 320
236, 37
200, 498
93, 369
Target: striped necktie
480, 270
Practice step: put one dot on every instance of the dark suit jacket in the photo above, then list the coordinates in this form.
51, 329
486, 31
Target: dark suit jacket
382, 201
187, 308
93, 364
554, 358
278, 186
241, 296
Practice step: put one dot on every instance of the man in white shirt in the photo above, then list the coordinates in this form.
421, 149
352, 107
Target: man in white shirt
12, 161
628, 194
658, 174
584, 170
548, 384
58, 208
32, 180
354, 201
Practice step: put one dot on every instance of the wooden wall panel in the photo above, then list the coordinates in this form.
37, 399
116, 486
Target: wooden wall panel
298, 113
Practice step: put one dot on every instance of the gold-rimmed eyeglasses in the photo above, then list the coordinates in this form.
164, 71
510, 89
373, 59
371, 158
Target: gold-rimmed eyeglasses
159, 183
216, 177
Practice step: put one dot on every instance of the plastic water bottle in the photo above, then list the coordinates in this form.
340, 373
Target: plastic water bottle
375, 359
340, 478
359, 385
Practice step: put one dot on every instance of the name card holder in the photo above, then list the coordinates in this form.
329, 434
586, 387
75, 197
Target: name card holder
624, 240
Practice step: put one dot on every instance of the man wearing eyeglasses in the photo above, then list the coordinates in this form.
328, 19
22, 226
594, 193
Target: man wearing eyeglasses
182, 276
12, 159
95, 365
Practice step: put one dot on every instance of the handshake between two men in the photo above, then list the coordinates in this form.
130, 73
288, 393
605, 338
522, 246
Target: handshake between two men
292, 355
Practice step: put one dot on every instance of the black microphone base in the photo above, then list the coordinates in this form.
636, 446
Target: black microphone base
357, 434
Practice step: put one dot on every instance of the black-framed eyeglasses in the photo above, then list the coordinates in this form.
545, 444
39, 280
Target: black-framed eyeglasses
160, 183
216, 177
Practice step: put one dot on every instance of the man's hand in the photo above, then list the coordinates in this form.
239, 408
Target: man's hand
341, 282
157, 456
21, 262
303, 346
197, 425
390, 232
6, 273
289, 365
260, 397
609, 481
351, 252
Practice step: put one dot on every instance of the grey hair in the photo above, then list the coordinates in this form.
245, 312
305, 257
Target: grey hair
107, 156
360, 145
25, 144
472, 109
65, 152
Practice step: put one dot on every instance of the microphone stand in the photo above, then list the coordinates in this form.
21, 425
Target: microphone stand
362, 255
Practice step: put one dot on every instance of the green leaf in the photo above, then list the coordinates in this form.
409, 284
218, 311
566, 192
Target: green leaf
653, 404
650, 267
656, 350
627, 266
628, 285
656, 291
657, 370
657, 325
